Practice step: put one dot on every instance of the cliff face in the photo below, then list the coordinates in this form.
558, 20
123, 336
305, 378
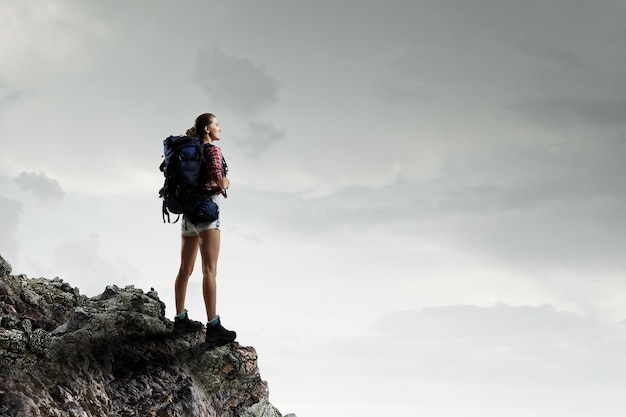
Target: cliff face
63, 354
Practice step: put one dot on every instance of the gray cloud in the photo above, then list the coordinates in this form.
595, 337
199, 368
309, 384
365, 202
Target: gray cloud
82, 261
528, 206
47, 189
488, 360
400, 92
261, 137
10, 213
235, 83
503, 343
8, 96
571, 112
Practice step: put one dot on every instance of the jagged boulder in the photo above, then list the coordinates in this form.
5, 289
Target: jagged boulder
63, 354
5, 267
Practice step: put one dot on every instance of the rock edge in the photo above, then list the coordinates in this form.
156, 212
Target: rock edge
63, 354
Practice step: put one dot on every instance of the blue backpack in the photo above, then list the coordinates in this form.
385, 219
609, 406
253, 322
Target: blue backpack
183, 190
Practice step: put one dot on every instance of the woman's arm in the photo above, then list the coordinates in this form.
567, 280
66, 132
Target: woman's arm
215, 171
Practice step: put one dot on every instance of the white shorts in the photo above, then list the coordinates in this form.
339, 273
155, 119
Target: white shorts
192, 229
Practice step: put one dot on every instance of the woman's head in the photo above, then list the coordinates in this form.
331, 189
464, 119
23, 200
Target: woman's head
206, 126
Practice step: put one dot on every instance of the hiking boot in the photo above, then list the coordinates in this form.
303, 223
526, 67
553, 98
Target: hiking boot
217, 335
186, 325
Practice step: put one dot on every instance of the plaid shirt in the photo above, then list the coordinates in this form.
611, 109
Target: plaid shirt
215, 169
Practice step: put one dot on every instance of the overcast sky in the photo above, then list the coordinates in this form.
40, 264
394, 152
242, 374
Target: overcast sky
427, 210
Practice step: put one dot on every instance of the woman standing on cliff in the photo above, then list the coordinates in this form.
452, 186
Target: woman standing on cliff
205, 238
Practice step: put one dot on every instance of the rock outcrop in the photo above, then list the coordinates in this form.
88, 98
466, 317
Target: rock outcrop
63, 354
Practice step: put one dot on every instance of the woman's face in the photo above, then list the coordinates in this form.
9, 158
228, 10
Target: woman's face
214, 129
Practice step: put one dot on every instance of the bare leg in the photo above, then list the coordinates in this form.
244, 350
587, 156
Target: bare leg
188, 253
209, 251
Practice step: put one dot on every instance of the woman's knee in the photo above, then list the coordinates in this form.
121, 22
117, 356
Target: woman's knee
185, 271
209, 270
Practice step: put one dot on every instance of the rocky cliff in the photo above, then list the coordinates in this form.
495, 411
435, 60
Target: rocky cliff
63, 354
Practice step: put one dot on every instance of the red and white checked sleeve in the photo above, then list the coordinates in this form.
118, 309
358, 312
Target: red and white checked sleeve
214, 169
